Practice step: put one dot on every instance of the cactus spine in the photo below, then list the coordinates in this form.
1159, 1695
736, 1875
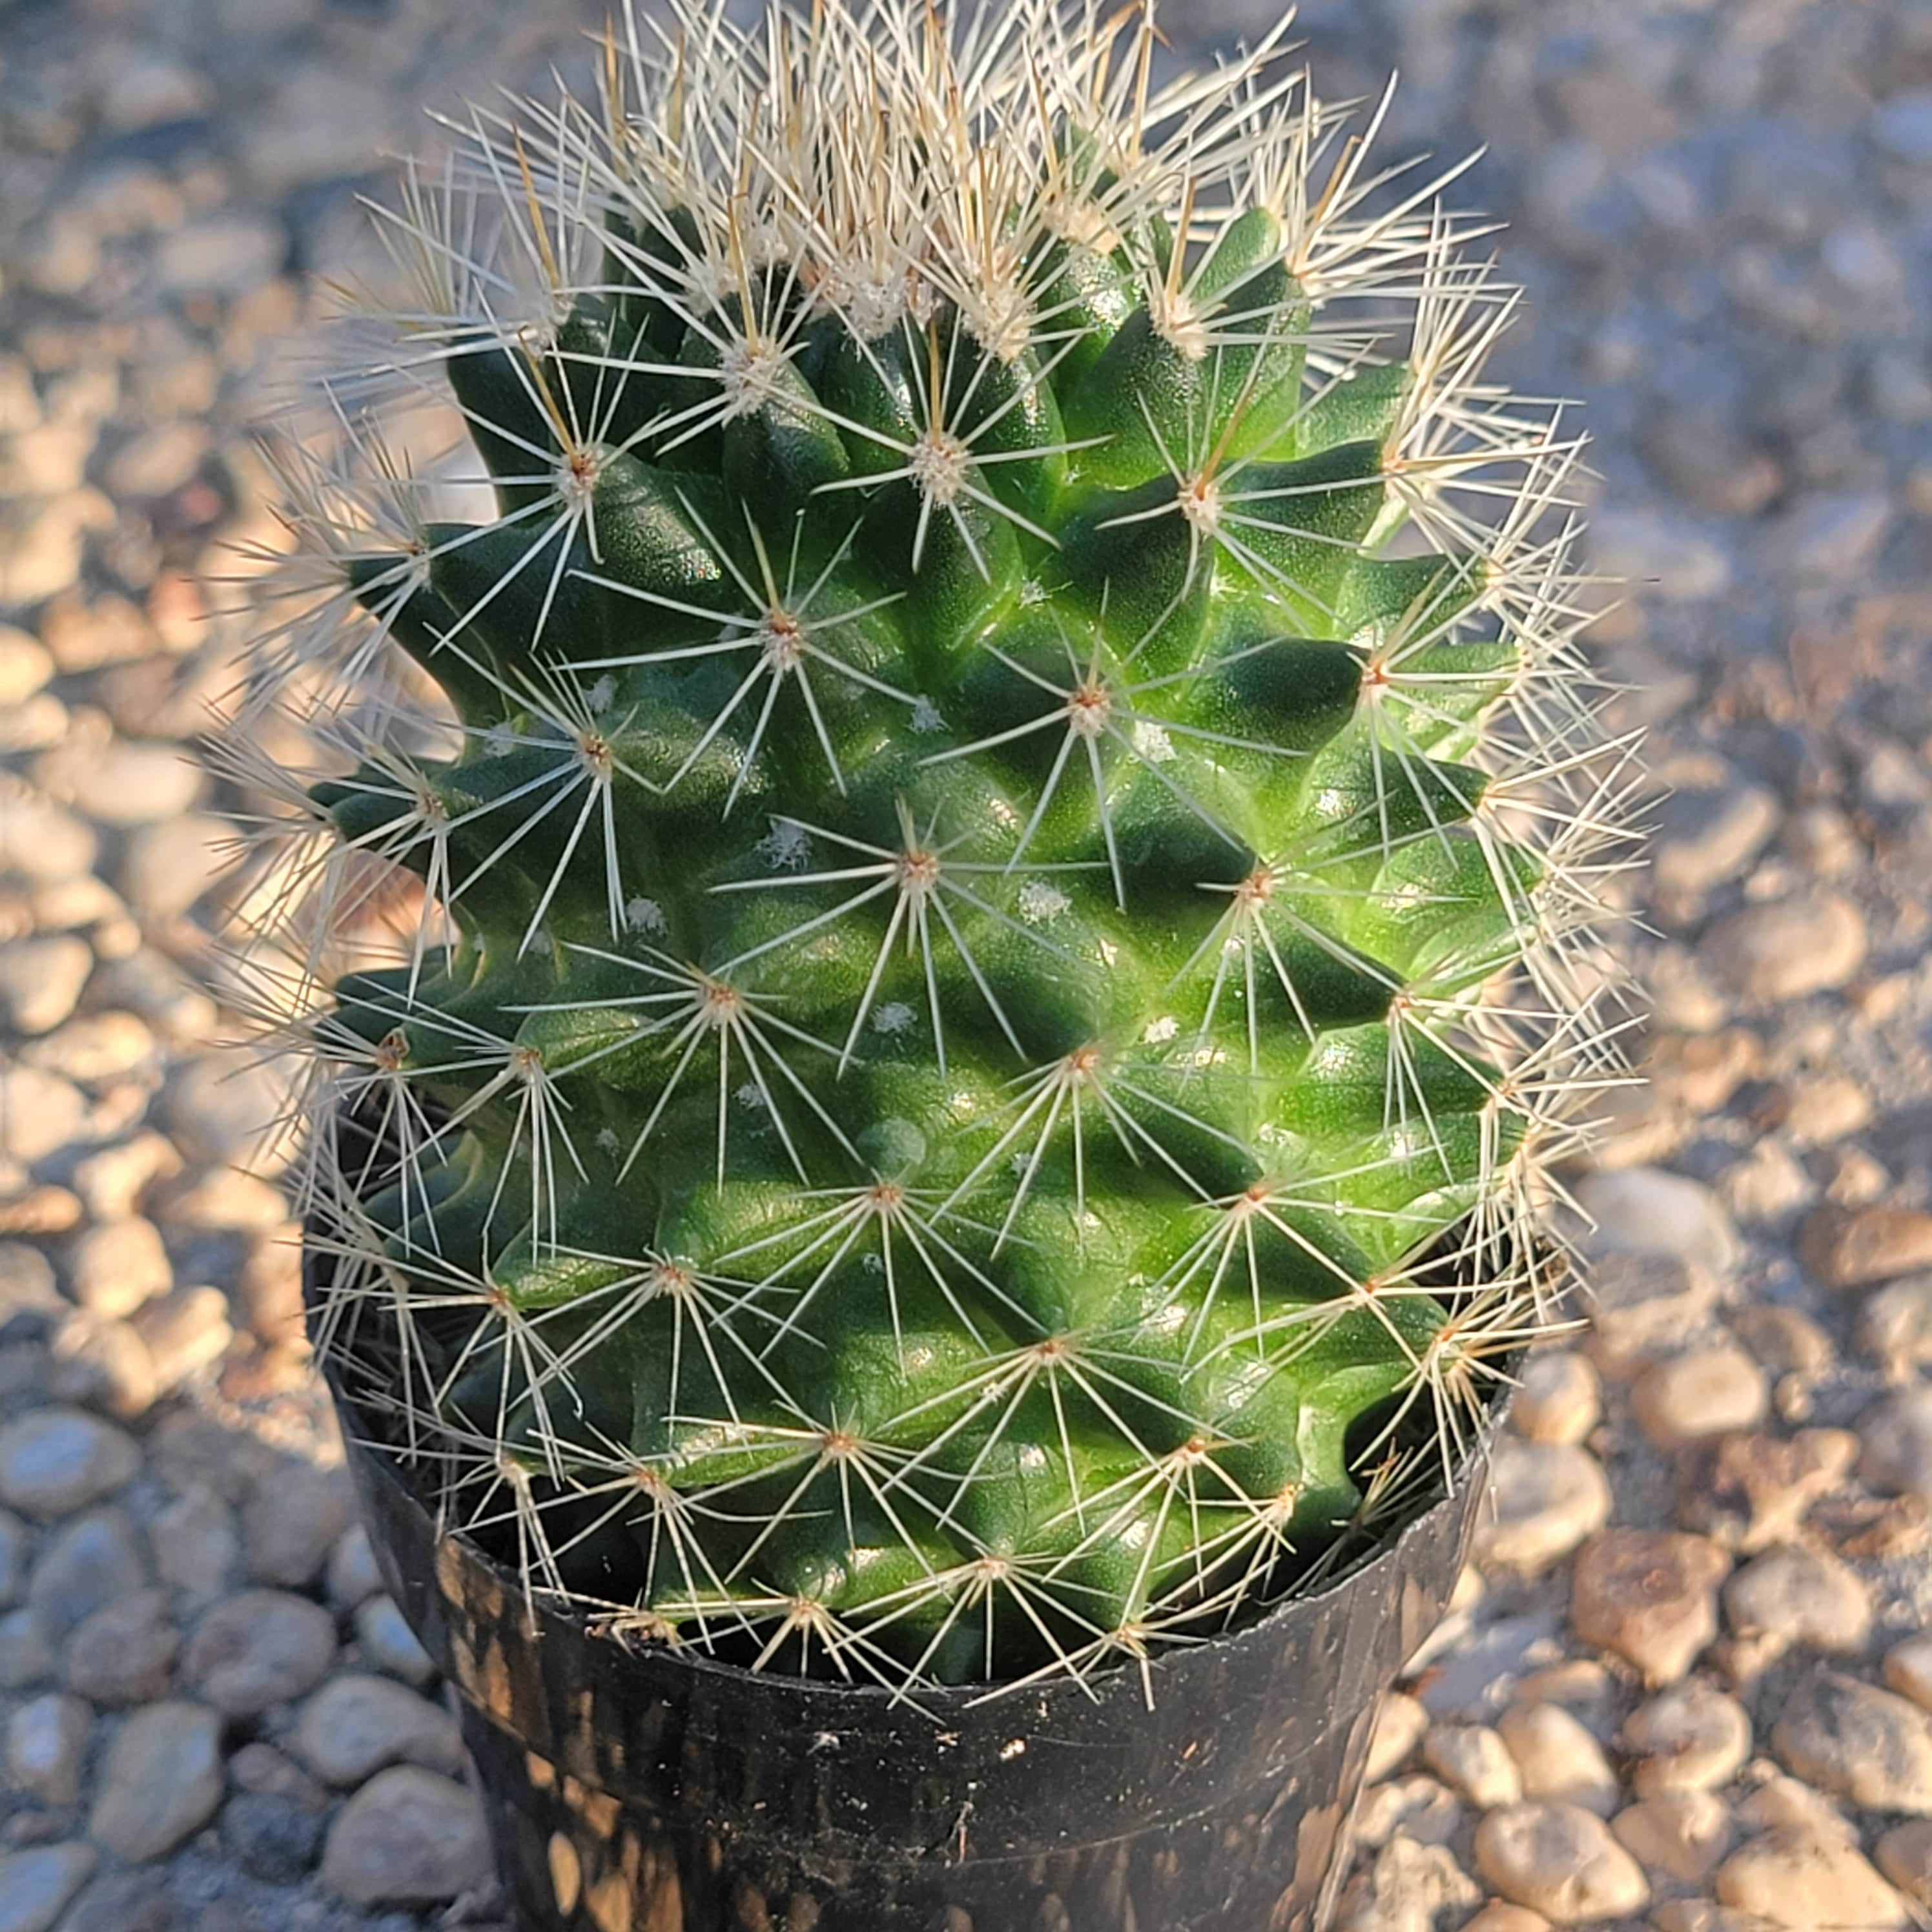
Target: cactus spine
1006, 860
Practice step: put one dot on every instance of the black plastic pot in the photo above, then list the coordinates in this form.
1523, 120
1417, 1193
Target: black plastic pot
651, 1790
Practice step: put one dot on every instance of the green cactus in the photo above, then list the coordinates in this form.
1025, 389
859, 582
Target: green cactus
1005, 936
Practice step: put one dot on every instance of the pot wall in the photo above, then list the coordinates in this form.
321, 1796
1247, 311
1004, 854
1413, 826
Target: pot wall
648, 1790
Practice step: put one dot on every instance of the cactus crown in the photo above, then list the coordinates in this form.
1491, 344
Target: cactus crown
1003, 926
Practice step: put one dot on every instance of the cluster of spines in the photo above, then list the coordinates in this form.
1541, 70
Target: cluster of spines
1009, 937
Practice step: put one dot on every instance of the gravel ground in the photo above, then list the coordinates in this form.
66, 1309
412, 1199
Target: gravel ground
1686, 1686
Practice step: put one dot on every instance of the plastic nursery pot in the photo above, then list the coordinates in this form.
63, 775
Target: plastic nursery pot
651, 1790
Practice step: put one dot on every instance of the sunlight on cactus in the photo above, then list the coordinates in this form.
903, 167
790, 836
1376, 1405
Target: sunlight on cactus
1003, 910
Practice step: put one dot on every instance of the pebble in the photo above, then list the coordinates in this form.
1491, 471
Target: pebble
1645, 1212
167, 867
293, 1520
1898, 1439
86, 1564
1908, 1669
121, 781
1903, 127
124, 1653
351, 1573
40, 981
1706, 1392
26, 1283
1757, 1488
46, 1746
1649, 1595
1783, 1804
1895, 1327
184, 1331
409, 1836
102, 1364
25, 664
1409, 1885
127, 1901
1856, 1247
1684, 1834
261, 1648
1660, 554
1558, 1399
1826, 1109
54, 1461
1558, 1757
1545, 1498
1904, 1854
1498, 1916
1807, 944
1418, 1808
26, 1657
113, 1182
220, 255
1561, 1861
273, 1838
198, 1546
355, 1725
1706, 837
39, 1113
1851, 1738
1835, 532
37, 1884
15, 1540
257, 1766
93, 1049
161, 1781
116, 1266
388, 1642
1789, 1879
225, 1109
1474, 1762
1796, 1596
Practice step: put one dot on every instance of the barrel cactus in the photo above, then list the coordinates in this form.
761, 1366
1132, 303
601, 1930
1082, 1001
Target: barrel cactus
987, 848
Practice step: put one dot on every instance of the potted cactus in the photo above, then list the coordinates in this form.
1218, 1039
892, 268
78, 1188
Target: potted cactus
946, 945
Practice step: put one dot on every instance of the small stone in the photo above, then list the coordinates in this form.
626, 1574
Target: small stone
1545, 1498
1497, 1916
408, 1837
1707, 837
55, 1461
351, 1573
1706, 1392
1558, 1400
1754, 1490
1826, 1109
1790, 1879
1659, 554
355, 1725
1796, 1596
15, 1539
1856, 1247
126, 1901
1644, 1211
1418, 1807
1474, 1762
1808, 943
1400, 1722
161, 1782
1903, 127
1898, 1439
26, 1283
291, 1523
261, 1648
388, 1642
1896, 1326
1561, 1861
260, 1767
1409, 1885
113, 1182
102, 1364
269, 1290
124, 1653
227, 1109
111, 1269
26, 1657
1684, 1834
1558, 1758
26, 664
1904, 1854
121, 781
1785, 1341
1908, 1669
1783, 1804
168, 867
272, 1838
197, 1546
1857, 1741
46, 1746
40, 980
1833, 533
96, 1049
1649, 1595
39, 1113
87, 1563
184, 1331
220, 255
36, 1885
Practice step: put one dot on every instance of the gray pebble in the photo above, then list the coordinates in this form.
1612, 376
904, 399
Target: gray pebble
261, 1648
1852, 1739
161, 1781
293, 1520
273, 1838
54, 1461
85, 1564
408, 1837
389, 1643
124, 1653
355, 1725
46, 1745
36, 1885
39, 1113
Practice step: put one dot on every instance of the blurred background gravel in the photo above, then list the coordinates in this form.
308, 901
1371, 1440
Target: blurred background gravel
1687, 1682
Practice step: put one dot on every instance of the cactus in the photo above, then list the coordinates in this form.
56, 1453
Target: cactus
1005, 823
